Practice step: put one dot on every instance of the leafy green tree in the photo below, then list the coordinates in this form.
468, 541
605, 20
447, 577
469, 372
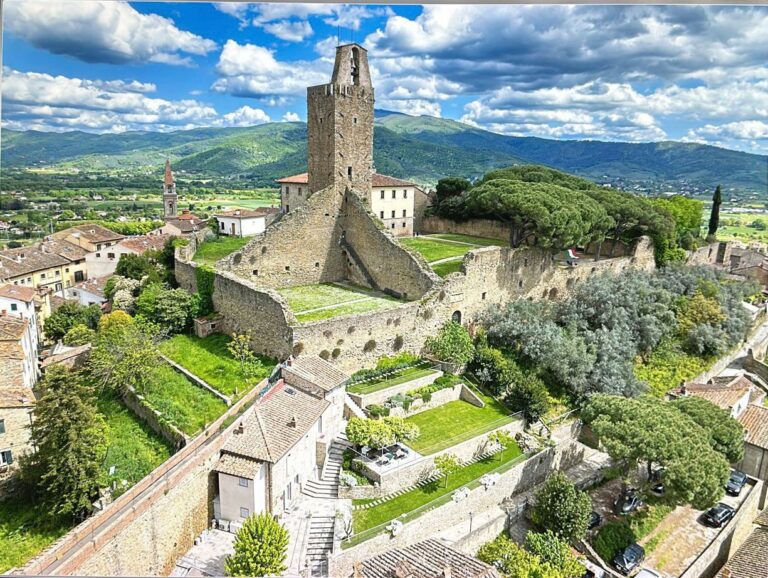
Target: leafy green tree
503, 439
714, 215
554, 551
69, 314
138, 267
528, 395
447, 464
726, 434
452, 344
261, 548
79, 335
358, 431
172, 309
402, 430
686, 213
562, 508
491, 368
239, 347
698, 310
70, 437
451, 187
513, 561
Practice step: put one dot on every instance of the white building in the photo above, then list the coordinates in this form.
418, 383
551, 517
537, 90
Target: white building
21, 301
393, 200
245, 222
103, 262
282, 442
89, 292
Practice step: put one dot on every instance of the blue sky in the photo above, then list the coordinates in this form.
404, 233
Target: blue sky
633, 73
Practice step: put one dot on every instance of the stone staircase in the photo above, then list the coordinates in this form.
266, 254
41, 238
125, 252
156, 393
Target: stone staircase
357, 264
319, 544
328, 485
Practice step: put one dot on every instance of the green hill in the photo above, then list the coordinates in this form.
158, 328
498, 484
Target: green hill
419, 148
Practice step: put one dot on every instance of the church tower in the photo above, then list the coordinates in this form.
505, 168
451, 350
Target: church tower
170, 198
340, 126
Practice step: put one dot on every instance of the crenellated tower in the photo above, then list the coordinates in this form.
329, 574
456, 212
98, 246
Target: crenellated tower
340, 126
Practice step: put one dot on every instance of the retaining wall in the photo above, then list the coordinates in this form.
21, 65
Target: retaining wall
153, 418
476, 227
438, 398
379, 397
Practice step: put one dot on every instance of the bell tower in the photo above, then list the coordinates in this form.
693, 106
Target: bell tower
170, 198
340, 126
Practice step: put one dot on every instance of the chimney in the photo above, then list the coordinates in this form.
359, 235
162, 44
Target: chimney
683, 391
239, 429
446, 571
293, 423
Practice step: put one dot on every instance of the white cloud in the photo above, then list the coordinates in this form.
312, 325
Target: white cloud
291, 117
110, 32
244, 116
415, 107
288, 30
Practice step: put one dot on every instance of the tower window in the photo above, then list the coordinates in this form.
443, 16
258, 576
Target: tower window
393, 225
354, 120
403, 225
287, 267
299, 190
349, 172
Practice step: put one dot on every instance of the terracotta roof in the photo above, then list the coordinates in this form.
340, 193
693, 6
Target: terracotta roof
749, 561
12, 328
377, 180
279, 420
67, 353
168, 180
57, 301
316, 371
237, 466
762, 519
248, 213
186, 223
143, 243
18, 292
427, 559
16, 395
94, 285
44, 255
90, 232
722, 395
755, 421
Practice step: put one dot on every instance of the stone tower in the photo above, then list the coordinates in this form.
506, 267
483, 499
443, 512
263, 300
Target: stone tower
340, 126
170, 198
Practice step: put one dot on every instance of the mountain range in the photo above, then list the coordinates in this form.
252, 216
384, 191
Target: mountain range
420, 148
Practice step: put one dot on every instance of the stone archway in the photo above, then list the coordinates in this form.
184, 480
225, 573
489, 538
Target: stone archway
456, 317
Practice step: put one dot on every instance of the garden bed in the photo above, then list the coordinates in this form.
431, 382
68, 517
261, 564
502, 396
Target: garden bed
327, 300
213, 250
209, 359
445, 252
396, 378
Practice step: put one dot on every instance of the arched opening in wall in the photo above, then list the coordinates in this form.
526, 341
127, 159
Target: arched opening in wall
263, 249
355, 66
553, 293
456, 317
570, 282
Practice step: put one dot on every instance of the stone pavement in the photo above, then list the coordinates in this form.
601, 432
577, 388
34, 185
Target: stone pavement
207, 557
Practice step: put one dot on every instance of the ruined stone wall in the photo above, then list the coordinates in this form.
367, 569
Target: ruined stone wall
392, 268
185, 275
301, 248
263, 313
477, 227
706, 255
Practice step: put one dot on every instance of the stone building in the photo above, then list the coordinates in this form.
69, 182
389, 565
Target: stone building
90, 236
176, 224
52, 263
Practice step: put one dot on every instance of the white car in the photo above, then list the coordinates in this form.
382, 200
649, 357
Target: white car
593, 570
646, 573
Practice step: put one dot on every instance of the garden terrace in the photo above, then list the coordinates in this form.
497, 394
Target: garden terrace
213, 250
456, 422
209, 359
445, 251
24, 532
371, 521
392, 379
327, 300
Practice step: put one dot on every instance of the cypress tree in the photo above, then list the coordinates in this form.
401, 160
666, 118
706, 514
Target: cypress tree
714, 216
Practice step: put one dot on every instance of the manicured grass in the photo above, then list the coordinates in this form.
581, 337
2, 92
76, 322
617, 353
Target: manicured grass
327, 300
481, 241
446, 268
132, 447
185, 404
215, 249
407, 374
209, 359
435, 249
25, 530
455, 422
409, 501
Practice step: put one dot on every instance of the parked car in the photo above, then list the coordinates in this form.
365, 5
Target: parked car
628, 501
646, 573
595, 520
718, 516
657, 481
736, 483
629, 558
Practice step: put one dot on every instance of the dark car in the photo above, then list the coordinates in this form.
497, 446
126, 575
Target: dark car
718, 516
629, 558
629, 501
736, 483
657, 481
595, 520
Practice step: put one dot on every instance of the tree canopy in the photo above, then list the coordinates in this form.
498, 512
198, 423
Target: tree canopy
562, 508
68, 315
261, 548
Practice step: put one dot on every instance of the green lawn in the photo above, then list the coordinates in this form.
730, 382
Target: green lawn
435, 249
187, 405
409, 501
455, 422
133, 448
215, 249
326, 300
407, 374
25, 531
209, 359
481, 241
446, 268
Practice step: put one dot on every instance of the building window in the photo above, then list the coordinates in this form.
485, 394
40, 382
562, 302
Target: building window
66, 270
405, 212
287, 209
110, 255
286, 190
484, 294
382, 193
405, 193
317, 264
287, 267
349, 172
299, 190
394, 194
393, 225
243, 482
354, 120
98, 247
403, 225
79, 276
255, 272
16, 282
393, 214
244, 512
222, 225
6, 458
382, 214
2, 426
98, 255
14, 307
58, 273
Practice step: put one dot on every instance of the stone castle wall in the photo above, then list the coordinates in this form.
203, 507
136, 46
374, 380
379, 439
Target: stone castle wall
185, 275
379, 397
477, 227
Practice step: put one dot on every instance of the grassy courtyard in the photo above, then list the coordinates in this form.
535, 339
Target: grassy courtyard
327, 300
402, 376
24, 532
218, 248
209, 359
456, 422
445, 251
185, 404
408, 502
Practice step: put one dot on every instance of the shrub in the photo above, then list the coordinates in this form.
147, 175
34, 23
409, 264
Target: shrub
452, 344
611, 538
552, 550
376, 411
370, 345
529, 396
325, 354
401, 360
79, 335
261, 547
562, 508
491, 368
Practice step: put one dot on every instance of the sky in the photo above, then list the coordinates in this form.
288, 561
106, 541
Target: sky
623, 73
